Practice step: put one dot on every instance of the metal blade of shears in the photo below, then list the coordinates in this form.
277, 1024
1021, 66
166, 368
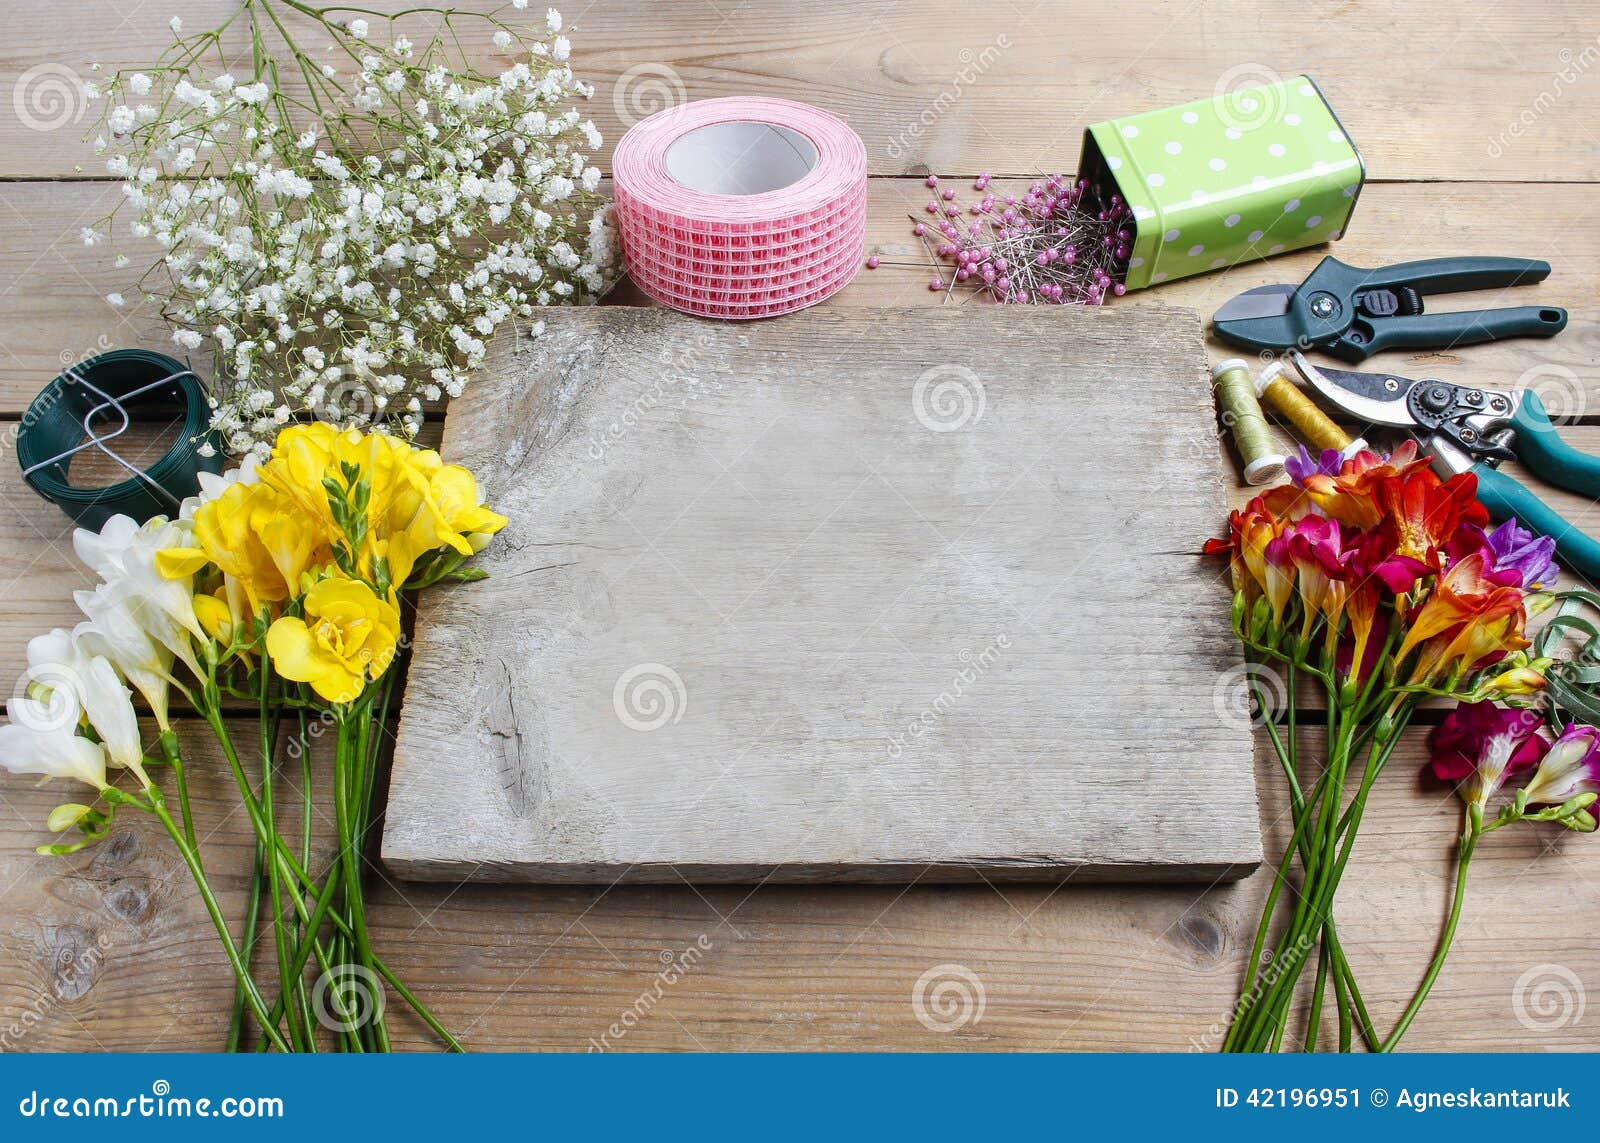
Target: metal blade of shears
1263, 301
1374, 398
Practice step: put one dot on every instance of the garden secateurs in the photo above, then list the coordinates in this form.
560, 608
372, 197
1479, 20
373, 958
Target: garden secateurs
1353, 313
1472, 429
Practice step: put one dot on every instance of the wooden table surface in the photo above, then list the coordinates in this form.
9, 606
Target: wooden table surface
1476, 123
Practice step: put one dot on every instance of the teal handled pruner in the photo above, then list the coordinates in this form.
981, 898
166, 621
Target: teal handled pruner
1470, 429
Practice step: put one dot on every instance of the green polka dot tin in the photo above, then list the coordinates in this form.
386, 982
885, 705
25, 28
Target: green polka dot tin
1243, 175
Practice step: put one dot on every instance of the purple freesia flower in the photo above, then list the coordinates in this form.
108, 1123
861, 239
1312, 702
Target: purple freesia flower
1303, 464
1570, 767
1517, 549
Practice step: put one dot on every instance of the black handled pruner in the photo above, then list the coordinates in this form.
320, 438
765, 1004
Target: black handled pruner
1353, 313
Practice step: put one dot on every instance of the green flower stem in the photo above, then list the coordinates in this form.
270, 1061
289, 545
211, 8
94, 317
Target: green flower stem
301, 1035
170, 753
1344, 978
1244, 1017
310, 924
1268, 1011
1318, 991
1319, 901
1469, 842
1340, 995
212, 713
326, 896
258, 1006
348, 783
307, 824
1358, 1006
252, 916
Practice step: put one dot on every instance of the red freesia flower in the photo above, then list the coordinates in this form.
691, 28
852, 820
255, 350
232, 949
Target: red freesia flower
1467, 619
1427, 511
1349, 497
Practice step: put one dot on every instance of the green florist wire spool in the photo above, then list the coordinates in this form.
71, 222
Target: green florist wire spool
87, 407
1240, 413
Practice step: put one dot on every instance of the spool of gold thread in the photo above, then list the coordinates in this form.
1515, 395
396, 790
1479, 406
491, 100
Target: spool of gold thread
1285, 396
1242, 416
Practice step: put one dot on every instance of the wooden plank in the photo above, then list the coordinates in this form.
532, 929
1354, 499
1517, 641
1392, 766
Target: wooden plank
955, 88
52, 289
839, 597
111, 949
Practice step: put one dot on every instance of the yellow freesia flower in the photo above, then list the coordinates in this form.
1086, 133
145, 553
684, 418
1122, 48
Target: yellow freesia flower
258, 538
348, 636
306, 455
448, 512
215, 616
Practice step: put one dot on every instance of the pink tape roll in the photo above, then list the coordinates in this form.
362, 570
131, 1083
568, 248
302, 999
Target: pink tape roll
743, 207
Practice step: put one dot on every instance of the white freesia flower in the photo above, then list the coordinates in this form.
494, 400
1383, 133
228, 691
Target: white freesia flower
60, 669
53, 752
123, 553
114, 631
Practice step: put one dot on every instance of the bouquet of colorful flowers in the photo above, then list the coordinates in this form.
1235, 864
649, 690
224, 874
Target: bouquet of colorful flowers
282, 584
1385, 585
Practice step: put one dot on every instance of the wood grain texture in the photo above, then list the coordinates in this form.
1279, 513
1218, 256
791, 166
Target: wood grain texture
1429, 90
111, 950
860, 596
53, 309
1424, 88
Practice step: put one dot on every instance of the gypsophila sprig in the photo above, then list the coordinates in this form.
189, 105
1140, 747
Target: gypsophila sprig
346, 224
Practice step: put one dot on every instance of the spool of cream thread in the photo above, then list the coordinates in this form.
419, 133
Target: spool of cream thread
1241, 415
1299, 410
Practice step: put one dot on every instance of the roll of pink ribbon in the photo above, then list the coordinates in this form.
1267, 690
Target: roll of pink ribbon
742, 207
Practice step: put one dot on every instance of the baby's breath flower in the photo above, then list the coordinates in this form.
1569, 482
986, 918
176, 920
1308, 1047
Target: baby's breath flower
354, 264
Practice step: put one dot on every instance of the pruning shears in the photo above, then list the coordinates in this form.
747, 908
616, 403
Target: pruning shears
1352, 313
1472, 429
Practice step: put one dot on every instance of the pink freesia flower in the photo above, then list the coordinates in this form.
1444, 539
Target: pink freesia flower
1480, 745
1570, 767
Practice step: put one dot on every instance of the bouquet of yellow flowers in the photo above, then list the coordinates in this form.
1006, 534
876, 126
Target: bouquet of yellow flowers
282, 583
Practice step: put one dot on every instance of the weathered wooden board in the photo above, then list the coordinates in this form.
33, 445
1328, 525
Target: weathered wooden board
866, 597
952, 86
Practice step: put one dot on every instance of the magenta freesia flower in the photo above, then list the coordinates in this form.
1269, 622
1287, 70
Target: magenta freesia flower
1480, 745
1570, 767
